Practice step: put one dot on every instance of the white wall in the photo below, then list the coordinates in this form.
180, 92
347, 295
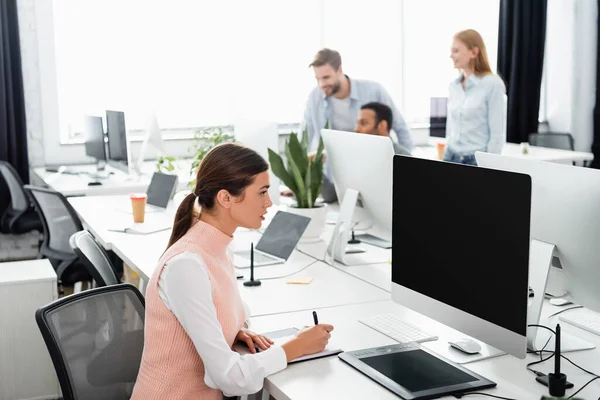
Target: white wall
570, 68
584, 73
31, 81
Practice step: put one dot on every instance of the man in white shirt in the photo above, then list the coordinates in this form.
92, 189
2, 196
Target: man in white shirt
337, 99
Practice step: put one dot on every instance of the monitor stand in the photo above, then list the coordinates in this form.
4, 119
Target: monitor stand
540, 262
338, 247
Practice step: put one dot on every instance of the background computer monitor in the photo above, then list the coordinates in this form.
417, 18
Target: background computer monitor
460, 241
565, 212
118, 145
152, 142
260, 135
94, 139
363, 163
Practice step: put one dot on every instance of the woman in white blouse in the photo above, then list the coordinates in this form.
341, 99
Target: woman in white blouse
476, 102
194, 311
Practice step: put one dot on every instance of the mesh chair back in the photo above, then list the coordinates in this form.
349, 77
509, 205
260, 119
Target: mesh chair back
552, 140
18, 198
58, 217
94, 258
95, 340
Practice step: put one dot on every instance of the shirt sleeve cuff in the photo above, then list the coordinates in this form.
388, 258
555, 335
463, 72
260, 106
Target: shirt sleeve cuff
274, 359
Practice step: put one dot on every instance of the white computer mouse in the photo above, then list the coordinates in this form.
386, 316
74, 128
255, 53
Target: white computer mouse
466, 345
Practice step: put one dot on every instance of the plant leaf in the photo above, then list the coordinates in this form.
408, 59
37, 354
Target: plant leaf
298, 178
316, 177
304, 141
298, 154
279, 170
308, 185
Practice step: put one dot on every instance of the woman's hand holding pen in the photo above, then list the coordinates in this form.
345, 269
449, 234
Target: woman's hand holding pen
309, 340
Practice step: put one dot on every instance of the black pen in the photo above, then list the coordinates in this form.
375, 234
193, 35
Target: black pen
315, 318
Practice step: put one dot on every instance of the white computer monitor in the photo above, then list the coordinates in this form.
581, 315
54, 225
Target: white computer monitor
260, 135
460, 251
363, 163
152, 139
565, 212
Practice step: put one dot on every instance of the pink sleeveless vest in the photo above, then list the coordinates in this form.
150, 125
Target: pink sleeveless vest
171, 367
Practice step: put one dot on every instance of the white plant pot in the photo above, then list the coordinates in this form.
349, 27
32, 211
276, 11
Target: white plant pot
315, 228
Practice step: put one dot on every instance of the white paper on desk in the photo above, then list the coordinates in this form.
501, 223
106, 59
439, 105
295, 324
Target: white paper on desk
143, 228
285, 335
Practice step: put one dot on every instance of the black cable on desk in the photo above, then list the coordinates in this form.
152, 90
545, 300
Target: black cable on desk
565, 310
538, 373
290, 274
458, 396
583, 387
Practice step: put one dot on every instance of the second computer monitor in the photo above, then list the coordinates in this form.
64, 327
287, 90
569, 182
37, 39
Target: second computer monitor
460, 248
94, 138
565, 212
118, 145
363, 163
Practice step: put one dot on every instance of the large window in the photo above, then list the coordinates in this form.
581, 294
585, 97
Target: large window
428, 27
198, 63
201, 63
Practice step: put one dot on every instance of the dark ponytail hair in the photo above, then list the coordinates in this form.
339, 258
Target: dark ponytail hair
228, 166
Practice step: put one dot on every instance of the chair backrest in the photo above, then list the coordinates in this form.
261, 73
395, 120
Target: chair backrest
95, 339
18, 198
94, 258
59, 219
554, 140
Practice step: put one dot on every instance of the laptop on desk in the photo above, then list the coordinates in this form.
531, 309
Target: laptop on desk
277, 242
161, 189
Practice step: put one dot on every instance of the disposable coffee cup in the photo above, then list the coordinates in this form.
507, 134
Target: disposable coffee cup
138, 206
440, 150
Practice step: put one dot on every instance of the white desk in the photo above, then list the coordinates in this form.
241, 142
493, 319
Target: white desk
330, 378
116, 181
514, 150
329, 287
342, 295
99, 213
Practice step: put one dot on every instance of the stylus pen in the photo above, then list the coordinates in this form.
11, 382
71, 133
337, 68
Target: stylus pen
315, 318
557, 350
252, 261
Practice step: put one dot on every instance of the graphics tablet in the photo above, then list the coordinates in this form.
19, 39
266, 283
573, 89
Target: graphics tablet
414, 373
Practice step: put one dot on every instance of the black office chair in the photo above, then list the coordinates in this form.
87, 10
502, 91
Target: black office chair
19, 217
59, 221
94, 258
554, 140
97, 354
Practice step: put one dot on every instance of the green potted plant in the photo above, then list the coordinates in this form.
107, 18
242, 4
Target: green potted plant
304, 177
206, 139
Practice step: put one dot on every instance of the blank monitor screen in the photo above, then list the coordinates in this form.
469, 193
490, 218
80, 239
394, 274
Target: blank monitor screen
94, 138
117, 136
461, 236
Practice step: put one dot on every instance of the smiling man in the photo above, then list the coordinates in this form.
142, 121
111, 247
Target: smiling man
338, 99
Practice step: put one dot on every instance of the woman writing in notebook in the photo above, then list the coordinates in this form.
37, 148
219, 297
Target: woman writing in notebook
194, 312
476, 102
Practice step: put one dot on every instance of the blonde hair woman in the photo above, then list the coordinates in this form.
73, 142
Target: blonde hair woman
476, 102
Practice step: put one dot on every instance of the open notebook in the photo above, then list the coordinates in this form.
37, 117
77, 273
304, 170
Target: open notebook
282, 336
